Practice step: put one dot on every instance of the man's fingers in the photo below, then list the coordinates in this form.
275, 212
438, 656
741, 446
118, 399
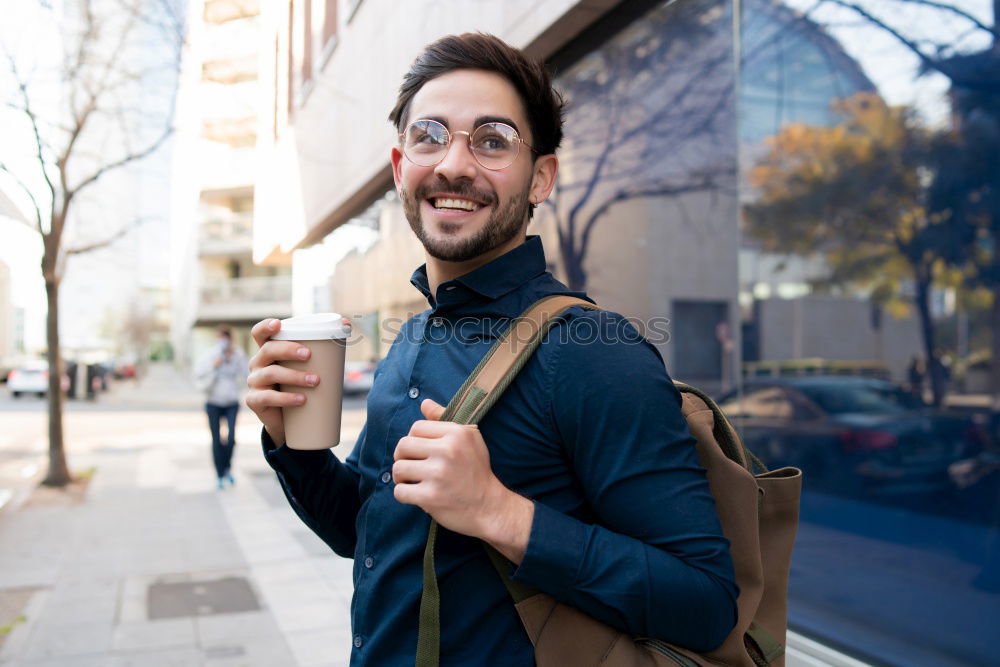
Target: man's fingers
264, 330
261, 399
424, 428
273, 374
408, 471
431, 410
413, 448
409, 494
278, 350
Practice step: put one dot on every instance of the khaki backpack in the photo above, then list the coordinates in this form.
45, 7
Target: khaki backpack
759, 515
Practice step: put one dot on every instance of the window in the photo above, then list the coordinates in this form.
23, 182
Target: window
329, 22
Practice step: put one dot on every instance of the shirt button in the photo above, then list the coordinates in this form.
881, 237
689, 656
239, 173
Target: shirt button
358, 642
414, 392
369, 562
437, 322
386, 477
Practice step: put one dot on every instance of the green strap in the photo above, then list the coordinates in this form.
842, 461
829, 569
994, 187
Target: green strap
762, 646
517, 590
429, 643
469, 405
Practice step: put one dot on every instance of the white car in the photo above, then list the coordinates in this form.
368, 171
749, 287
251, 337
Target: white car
30, 378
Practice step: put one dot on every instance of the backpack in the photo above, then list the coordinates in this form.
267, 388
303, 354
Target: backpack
758, 513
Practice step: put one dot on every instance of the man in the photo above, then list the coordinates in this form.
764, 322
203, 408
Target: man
588, 484
220, 375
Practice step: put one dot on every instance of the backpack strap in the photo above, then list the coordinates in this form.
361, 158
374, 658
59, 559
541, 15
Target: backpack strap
487, 382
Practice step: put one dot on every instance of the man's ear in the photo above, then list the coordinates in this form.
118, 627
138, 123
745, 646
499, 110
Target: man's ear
543, 178
396, 157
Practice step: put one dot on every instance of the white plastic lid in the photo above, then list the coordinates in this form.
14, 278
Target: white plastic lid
320, 326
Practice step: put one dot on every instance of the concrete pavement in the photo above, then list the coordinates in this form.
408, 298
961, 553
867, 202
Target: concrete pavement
154, 566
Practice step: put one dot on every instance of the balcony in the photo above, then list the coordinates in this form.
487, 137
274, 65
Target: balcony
230, 70
223, 11
224, 232
244, 300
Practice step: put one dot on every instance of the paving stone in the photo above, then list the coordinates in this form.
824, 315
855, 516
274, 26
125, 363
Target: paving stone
159, 634
197, 598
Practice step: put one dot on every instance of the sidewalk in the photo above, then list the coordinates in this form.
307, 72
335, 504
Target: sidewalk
156, 567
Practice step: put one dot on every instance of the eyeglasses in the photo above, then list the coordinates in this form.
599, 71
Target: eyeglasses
495, 146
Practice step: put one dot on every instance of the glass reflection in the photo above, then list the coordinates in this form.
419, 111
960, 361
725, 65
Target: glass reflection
869, 295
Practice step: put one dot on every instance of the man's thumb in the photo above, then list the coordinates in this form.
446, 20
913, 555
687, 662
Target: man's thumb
431, 410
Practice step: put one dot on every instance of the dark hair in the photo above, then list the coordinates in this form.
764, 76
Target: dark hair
543, 105
225, 331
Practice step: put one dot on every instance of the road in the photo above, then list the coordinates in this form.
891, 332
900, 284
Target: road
130, 414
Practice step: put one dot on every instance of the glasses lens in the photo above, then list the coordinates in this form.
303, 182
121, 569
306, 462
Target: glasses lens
425, 142
495, 145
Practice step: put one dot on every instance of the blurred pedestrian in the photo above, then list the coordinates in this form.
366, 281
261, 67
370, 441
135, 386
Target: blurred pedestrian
220, 375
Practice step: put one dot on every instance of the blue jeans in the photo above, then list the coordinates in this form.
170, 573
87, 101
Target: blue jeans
222, 455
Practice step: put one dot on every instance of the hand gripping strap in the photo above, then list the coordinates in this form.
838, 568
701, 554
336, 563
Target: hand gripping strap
487, 382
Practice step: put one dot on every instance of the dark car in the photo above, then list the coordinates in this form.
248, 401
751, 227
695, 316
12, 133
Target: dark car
851, 435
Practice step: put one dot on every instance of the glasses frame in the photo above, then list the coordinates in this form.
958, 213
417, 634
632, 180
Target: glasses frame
468, 143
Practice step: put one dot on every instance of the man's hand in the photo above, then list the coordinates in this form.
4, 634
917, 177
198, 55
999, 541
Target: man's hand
444, 468
264, 398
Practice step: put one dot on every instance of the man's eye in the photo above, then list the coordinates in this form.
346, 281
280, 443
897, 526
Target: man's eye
493, 143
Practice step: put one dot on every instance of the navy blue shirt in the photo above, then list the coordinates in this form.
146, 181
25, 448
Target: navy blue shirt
624, 528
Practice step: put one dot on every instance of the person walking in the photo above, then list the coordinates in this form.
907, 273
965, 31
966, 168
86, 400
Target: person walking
589, 485
221, 375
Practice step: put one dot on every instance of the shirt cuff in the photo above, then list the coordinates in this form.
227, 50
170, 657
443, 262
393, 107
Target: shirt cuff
297, 464
555, 548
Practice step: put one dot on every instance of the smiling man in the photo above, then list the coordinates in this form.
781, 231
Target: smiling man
591, 488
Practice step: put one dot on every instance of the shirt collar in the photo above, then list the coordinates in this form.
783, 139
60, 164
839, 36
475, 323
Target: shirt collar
496, 278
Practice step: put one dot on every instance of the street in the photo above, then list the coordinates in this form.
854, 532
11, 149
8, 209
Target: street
154, 565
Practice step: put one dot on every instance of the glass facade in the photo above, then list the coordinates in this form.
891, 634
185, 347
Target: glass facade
808, 190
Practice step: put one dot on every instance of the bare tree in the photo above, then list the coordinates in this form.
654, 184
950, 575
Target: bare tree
98, 110
651, 117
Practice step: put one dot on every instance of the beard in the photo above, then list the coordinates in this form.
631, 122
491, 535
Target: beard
506, 220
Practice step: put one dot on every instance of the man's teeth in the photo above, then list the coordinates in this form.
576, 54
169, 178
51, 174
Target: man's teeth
462, 204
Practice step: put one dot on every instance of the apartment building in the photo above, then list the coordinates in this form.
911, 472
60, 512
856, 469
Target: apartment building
215, 280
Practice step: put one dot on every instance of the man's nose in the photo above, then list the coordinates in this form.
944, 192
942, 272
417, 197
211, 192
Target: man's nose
458, 161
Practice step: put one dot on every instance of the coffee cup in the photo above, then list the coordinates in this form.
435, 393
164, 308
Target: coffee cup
316, 423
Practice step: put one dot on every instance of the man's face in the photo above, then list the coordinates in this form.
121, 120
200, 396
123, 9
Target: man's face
492, 206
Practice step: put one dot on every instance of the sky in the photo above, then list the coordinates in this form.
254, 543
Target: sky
105, 280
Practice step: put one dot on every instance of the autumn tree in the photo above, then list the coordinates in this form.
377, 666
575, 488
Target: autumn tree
950, 40
95, 97
855, 194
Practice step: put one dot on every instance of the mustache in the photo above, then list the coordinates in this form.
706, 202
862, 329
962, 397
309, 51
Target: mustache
459, 189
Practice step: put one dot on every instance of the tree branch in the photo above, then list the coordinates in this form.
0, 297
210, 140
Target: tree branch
131, 157
954, 10
927, 61
104, 243
31, 196
33, 119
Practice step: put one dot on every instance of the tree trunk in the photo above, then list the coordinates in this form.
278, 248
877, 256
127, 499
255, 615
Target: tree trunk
934, 370
58, 473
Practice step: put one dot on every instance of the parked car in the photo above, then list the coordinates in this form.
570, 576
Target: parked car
852, 435
358, 377
29, 378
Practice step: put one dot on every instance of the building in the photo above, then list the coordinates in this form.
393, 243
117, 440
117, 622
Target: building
22, 292
214, 276
652, 233
671, 105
